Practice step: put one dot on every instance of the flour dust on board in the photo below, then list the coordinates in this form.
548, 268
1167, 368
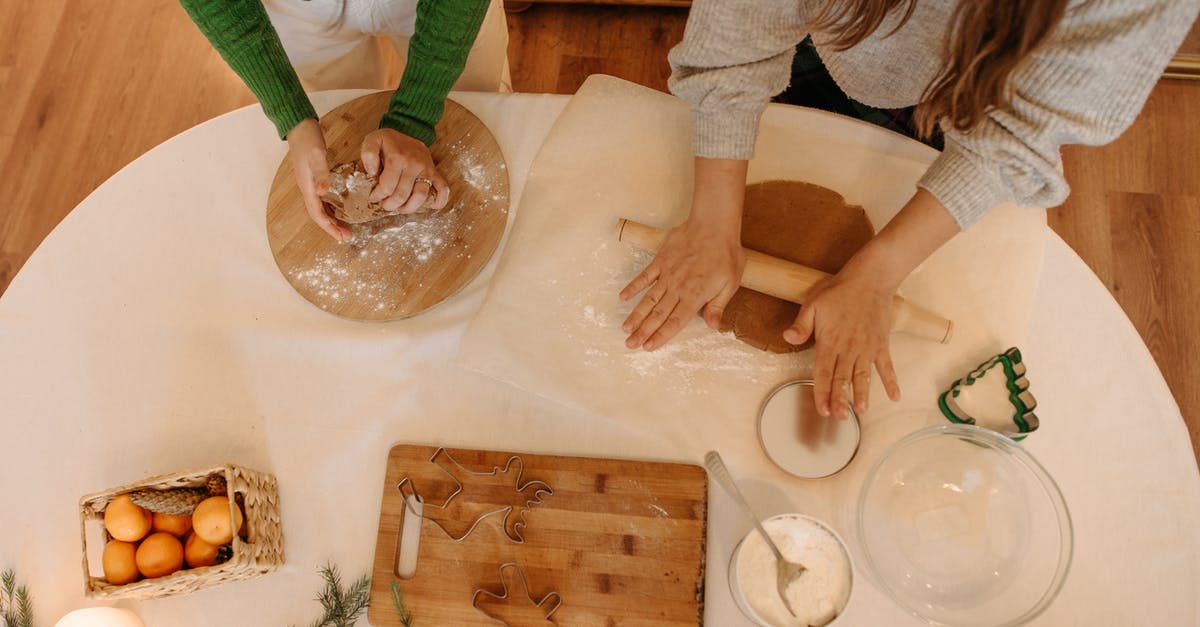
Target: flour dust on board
367, 272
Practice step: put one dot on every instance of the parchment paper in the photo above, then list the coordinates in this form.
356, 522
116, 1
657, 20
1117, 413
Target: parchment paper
551, 320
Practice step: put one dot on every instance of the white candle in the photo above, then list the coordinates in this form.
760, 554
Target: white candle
100, 617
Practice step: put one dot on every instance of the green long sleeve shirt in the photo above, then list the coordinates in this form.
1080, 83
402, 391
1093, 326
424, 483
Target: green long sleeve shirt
437, 52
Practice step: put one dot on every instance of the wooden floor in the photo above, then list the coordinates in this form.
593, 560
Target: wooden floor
1191, 45
89, 86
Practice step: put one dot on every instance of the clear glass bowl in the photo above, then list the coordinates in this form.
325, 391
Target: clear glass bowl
962, 526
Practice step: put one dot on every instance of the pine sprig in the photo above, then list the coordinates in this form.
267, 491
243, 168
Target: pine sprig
16, 605
406, 618
342, 607
24, 608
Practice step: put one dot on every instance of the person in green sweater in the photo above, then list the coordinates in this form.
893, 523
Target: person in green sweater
278, 47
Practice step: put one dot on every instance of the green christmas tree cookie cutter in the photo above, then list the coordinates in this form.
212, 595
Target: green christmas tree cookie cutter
1023, 403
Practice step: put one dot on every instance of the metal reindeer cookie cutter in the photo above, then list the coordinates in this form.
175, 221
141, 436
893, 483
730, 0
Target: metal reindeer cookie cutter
515, 593
532, 491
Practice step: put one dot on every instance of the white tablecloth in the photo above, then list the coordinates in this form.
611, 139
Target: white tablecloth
152, 332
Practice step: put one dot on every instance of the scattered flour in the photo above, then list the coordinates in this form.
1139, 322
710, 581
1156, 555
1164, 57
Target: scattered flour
475, 173
365, 270
353, 182
686, 363
325, 277
662, 513
422, 237
476, 176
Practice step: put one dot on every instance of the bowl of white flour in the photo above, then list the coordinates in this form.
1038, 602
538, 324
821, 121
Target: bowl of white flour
819, 594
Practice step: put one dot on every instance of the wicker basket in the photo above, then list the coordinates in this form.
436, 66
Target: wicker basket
259, 553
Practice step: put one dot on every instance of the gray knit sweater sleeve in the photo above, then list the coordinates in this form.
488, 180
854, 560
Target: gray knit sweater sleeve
734, 57
1086, 85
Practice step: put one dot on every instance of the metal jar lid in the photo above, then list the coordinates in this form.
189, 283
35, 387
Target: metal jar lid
799, 440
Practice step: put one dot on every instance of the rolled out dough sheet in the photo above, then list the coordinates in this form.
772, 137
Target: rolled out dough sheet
551, 320
798, 222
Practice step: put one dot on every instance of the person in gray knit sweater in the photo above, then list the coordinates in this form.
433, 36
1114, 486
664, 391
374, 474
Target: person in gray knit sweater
1006, 83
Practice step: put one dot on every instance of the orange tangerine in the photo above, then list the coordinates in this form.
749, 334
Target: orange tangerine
211, 520
197, 552
120, 566
125, 520
160, 554
176, 525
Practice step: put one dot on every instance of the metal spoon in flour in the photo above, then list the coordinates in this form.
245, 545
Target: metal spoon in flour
785, 571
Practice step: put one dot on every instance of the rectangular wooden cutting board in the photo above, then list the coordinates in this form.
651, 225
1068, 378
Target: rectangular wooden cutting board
616, 542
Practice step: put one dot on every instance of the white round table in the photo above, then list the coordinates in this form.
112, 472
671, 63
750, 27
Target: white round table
152, 332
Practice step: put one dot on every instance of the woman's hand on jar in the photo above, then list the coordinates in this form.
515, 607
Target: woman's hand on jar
850, 319
405, 170
849, 315
306, 149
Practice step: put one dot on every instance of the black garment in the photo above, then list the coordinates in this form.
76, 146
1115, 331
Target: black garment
812, 86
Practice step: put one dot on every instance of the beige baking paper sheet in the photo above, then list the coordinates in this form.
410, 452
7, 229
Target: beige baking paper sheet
551, 320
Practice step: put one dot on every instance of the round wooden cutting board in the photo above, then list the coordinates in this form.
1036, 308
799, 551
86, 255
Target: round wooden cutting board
396, 267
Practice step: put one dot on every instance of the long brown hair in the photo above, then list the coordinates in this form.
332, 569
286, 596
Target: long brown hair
988, 40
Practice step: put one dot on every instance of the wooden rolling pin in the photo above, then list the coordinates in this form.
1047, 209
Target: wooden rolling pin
791, 282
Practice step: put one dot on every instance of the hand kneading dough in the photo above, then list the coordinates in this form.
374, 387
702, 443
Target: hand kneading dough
803, 223
349, 187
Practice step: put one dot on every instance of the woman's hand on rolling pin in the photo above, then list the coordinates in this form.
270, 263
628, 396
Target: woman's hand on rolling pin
306, 148
407, 174
699, 266
849, 317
